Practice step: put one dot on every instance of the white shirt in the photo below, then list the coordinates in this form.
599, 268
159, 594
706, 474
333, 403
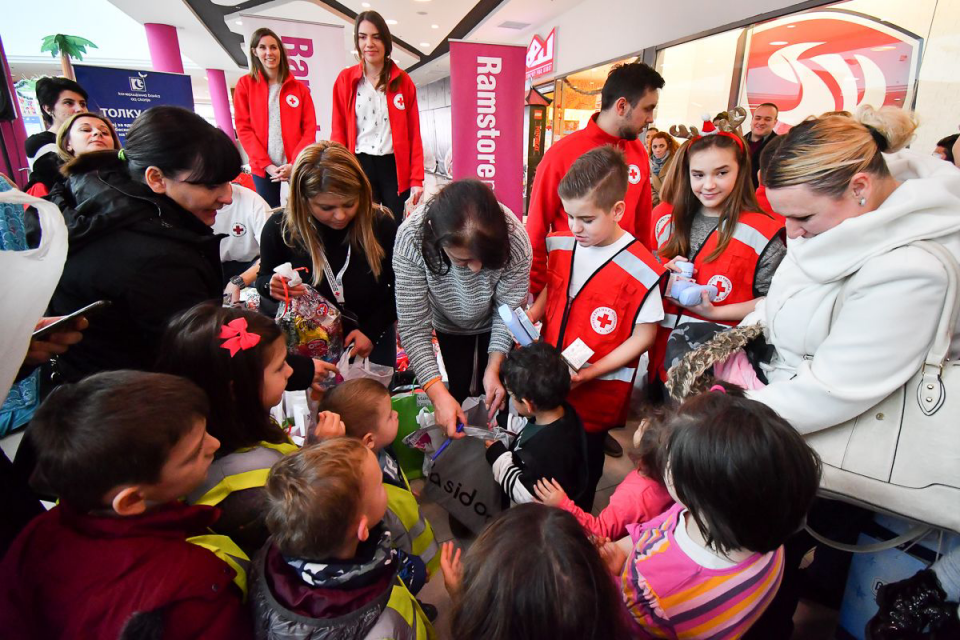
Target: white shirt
374, 136
242, 220
706, 558
587, 260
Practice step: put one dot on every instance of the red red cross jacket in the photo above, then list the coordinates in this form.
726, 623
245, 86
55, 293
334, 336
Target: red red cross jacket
602, 314
733, 273
404, 122
298, 119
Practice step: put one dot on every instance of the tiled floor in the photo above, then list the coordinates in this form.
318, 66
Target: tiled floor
813, 622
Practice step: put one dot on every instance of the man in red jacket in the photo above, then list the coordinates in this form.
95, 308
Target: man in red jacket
628, 100
119, 553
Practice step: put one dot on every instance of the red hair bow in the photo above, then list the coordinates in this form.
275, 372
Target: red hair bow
236, 336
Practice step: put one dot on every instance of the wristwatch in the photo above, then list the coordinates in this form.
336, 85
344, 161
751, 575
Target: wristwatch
237, 280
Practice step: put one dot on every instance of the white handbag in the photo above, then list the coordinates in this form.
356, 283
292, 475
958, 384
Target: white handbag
902, 456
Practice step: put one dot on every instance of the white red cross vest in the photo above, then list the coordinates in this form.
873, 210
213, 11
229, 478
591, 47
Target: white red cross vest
602, 314
733, 273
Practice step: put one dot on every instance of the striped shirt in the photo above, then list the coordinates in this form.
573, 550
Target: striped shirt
458, 301
671, 596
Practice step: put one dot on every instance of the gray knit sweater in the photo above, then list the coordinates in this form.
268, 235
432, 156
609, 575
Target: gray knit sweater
457, 302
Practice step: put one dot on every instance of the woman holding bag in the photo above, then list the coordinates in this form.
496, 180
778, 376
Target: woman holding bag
375, 115
341, 242
275, 116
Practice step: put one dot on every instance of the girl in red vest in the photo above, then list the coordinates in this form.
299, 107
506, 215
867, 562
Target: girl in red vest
717, 224
375, 116
275, 117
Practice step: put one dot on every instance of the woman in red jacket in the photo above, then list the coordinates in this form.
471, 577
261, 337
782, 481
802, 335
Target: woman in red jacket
375, 115
275, 117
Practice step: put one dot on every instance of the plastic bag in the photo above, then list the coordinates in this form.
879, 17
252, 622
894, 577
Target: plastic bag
311, 325
363, 368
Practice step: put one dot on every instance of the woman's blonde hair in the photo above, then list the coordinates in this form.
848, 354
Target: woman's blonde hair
63, 136
257, 72
825, 153
328, 167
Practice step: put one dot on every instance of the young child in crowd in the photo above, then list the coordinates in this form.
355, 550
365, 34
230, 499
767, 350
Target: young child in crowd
552, 444
238, 358
743, 479
119, 449
640, 497
602, 293
717, 224
367, 414
329, 570
504, 590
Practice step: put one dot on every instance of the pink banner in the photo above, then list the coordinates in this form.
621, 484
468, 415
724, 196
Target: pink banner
486, 86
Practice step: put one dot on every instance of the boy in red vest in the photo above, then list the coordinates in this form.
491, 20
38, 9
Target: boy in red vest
114, 558
602, 297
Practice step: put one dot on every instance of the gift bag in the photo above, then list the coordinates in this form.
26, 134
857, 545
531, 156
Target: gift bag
363, 368
408, 403
311, 325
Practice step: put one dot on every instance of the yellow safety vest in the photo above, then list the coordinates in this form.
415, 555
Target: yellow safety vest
411, 532
228, 551
243, 469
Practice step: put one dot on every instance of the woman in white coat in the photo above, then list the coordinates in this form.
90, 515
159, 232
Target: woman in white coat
853, 201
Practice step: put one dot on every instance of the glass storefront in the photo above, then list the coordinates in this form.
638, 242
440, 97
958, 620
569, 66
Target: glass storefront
831, 58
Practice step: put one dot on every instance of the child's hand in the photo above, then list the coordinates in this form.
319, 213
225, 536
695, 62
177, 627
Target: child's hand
329, 425
613, 556
451, 567
549, 492
322, 371
704, 308
672, 265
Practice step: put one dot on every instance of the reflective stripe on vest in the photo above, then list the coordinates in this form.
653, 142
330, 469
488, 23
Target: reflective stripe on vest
228, 551
669, 320
623, 374
402, 619
243, 469
415, 535
637, 268
560, 242
751, 237
664, 235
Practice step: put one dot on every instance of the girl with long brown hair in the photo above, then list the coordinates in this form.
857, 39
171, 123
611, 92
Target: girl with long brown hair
275, 116
333, 230
375, 115
717, 225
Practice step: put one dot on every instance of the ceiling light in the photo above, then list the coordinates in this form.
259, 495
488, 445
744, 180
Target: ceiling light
779, 43
365, 5
424, 44
391, 22
434, 26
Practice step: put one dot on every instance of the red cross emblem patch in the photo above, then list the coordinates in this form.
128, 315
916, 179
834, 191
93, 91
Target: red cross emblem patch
723, 285
398, 102
293, 101
238, 230
603, 320
633, 175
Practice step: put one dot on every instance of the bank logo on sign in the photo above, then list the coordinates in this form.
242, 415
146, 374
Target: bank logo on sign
138, 84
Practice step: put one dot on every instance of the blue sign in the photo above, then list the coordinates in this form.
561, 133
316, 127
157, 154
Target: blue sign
123, 94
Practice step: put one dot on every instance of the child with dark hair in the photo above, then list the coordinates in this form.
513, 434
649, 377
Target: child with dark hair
328, 570
602, 297
552, 444
502, 591
743, 479
367, 413
238, 358
120, 449
640, 497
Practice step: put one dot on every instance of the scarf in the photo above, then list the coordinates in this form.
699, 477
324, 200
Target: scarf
656, 164
373, 557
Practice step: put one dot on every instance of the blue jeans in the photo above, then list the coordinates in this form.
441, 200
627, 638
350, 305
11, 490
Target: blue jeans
267, 189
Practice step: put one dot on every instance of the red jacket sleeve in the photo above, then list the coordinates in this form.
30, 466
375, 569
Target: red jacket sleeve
258, 156
338, 124
413, 133
308, 122
544, 207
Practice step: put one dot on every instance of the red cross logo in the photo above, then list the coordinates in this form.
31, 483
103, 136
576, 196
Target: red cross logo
634, 174
398, 102
723, 285
238, 230
603, 320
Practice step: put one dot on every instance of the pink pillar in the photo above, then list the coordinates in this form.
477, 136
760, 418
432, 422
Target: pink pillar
164, 47
220, 98
13, 134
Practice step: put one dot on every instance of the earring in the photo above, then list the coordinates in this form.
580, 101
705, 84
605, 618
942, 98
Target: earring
863, 201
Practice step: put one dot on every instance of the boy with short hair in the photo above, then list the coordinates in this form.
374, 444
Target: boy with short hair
119, 449
328, 569
603, 294
552, 445
365, 407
